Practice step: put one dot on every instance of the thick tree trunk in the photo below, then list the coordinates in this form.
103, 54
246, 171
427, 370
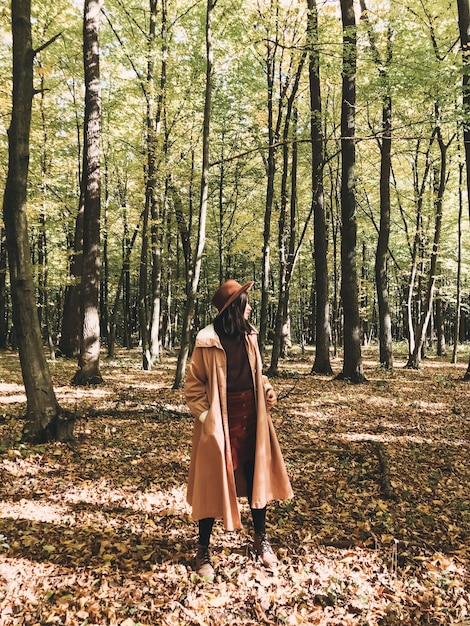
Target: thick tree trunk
89, 359
201, 236
321, 364
464, 28
44, 417
352, 361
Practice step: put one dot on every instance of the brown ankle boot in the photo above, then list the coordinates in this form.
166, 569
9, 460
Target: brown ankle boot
204, 567
264, 551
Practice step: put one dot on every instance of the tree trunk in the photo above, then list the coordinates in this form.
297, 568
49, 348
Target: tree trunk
150, 300
336, 334
167, 330
122, 279
143, 290
381, 255
414, 359
3, 292
458, 297
150, 193
69, 337
89, 359
417, 242
271, 172
464, 28
43, 265
287, 232
352, 360
201, 234
69, 342
104, 281
44, 418
321, 364
439, 325
126, 285
158, 207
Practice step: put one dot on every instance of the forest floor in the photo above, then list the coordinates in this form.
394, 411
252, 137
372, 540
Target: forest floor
378, 533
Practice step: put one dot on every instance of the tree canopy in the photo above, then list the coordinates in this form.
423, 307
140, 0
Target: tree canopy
423, 80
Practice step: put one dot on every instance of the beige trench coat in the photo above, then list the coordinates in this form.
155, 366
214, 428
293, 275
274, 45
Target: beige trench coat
212, 485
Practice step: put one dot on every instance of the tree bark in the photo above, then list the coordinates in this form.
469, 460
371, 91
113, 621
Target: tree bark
414, 359
321, 364
44, 418
201, 235
352, 361
458, 297
69, 339
271, 173
381, 254
439, 325
287, 228
89, 359
150, 300
464, 28
3, 292
143, 290
69, 342
417, 240
129, 244
43, 265
158, 207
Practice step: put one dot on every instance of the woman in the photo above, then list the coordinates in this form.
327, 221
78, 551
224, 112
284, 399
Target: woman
235, 451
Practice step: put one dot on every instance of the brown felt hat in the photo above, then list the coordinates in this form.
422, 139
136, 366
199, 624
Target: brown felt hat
227, 293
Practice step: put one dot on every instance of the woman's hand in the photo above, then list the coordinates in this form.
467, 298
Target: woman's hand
271, 398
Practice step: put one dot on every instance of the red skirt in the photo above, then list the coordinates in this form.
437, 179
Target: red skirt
241, 406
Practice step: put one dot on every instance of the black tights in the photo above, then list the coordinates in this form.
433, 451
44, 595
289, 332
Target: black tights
258, 515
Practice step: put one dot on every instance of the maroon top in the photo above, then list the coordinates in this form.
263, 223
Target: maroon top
239, 376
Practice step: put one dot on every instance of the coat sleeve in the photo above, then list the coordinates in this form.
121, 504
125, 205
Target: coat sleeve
195, 386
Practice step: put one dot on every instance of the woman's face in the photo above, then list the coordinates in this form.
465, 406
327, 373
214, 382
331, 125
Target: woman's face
247, 312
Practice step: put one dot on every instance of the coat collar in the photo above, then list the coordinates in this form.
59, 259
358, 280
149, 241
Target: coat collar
207, 337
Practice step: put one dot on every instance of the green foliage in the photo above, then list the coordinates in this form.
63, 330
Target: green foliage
423, 78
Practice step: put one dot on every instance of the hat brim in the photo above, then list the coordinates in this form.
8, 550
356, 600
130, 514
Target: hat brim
235, 295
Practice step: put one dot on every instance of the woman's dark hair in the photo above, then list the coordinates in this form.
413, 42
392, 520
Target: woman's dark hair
232, 322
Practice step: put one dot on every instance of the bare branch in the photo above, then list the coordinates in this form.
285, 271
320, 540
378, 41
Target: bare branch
45, 45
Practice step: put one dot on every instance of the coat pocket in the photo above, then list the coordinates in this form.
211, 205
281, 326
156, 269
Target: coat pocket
212, 425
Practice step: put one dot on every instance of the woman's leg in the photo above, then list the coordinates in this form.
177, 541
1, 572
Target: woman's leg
259, 520
205, 530
203, 558
261, 544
